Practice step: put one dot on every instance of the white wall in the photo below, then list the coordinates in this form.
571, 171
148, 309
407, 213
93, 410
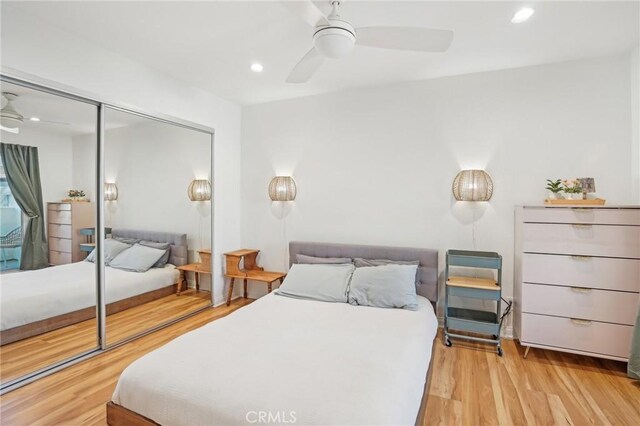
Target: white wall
375, 166
32, 46
83, 157
152, 164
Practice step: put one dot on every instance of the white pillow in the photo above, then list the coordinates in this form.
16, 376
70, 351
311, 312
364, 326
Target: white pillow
138, 258
111, 249
386, 286
323, 282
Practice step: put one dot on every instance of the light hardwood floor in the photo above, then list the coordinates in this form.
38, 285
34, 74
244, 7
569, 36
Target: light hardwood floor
470, 385
19, 358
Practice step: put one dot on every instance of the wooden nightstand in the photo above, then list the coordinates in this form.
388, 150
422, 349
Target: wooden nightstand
197, 269
251, 271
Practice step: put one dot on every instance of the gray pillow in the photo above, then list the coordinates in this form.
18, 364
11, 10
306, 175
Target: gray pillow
301, 258
327, 283
362, 263
386, 286
111, 248
130, 241
161, 246
138, 258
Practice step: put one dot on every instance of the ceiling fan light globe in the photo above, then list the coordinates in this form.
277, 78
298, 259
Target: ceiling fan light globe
335, 41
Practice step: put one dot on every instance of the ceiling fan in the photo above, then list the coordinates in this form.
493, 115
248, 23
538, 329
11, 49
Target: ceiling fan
11, 120
335, 37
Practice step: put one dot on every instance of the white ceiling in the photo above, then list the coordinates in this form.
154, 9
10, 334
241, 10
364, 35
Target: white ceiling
212, 44
59, 115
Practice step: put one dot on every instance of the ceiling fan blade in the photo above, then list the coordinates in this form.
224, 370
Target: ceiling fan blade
405, 38
14, 130
307, 11
307, 66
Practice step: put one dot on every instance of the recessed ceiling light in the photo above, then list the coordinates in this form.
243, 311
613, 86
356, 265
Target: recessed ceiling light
34, 119
256, 67
522, 15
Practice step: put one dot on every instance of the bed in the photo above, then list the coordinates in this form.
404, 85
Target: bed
36, 302
277, 359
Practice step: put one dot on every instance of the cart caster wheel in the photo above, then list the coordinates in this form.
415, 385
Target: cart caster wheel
447, 343
499, 351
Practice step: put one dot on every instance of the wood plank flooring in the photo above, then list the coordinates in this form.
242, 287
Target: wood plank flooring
19, 358
470, 385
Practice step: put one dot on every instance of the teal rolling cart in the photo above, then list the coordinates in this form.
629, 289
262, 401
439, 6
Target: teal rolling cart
470, 320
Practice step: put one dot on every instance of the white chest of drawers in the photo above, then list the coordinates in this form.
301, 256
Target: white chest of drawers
64, 221
577, 278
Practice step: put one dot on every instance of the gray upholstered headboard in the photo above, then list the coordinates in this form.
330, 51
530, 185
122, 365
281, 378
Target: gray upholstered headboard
178, 255
427, 270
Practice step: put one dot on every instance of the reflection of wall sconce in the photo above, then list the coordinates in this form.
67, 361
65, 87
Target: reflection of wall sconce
472, 185
282, 188
199, 190
110, 192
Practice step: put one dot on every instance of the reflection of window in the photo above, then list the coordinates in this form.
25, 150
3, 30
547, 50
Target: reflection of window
10, 226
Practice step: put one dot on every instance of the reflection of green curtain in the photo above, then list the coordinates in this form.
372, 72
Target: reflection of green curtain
23, 176
633, 369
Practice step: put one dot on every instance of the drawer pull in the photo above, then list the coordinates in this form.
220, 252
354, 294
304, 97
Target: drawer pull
581, 225
579, 257
580, 321
581, 289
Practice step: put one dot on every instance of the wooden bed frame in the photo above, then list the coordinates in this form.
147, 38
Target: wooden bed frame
49, 324
118, 415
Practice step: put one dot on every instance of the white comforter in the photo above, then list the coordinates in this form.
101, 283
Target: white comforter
31, 296
288, 360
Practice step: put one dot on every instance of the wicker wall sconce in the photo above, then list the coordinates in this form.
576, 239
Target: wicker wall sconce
110, 192
472, 185
199, 190
282, 188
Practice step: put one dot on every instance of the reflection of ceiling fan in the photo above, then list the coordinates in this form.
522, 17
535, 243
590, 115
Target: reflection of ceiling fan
11, 120
334, 37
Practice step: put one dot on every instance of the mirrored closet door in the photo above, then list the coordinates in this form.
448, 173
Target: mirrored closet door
48, 286
157, 222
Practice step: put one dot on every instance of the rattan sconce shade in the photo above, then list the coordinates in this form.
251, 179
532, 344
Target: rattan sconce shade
110, 192
199, 190
282, 188
472, 185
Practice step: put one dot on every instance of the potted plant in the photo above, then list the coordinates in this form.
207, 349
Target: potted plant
555, 188
76, 194
573, 188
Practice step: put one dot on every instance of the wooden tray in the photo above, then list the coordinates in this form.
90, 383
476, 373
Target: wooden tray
565, 202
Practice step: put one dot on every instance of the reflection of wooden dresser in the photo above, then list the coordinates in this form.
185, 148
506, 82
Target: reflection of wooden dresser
64, 221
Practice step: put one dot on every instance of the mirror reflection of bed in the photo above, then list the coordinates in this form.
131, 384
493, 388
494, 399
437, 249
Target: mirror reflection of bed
37, 329
152, 227
40, 164
152, 164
